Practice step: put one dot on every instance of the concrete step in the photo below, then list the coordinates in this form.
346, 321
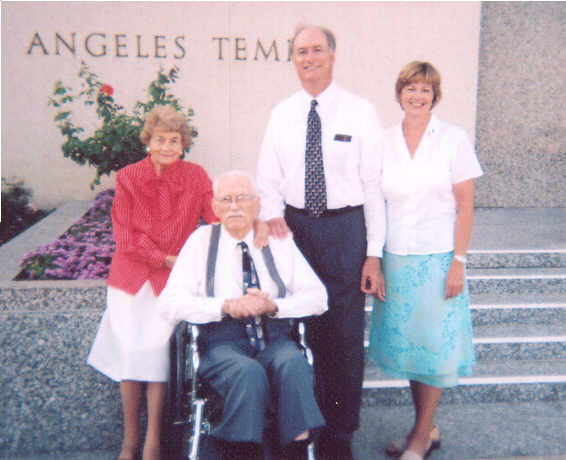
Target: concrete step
520, 347
509, 347
516, 281
525, 371
505, 381
485, 310
535, 310
528, 331
517, 258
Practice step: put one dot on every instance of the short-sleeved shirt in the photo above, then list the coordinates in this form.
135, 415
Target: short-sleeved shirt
420, 202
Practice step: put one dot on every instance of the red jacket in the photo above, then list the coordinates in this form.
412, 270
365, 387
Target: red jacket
152, 217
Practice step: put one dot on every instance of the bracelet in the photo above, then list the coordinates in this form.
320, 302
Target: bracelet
461, 259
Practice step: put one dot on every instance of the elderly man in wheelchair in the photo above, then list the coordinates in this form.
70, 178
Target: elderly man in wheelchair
244, 301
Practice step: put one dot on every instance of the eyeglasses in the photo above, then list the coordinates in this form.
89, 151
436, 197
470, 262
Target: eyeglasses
238, 199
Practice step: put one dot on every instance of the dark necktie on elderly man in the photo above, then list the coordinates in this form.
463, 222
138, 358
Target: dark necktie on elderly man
315, 184
254, 326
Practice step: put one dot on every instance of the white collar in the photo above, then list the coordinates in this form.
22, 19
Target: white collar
233, 242
324, 99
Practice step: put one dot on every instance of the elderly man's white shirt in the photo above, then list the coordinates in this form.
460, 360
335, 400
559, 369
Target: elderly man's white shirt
420, 202
351, 167
184, 296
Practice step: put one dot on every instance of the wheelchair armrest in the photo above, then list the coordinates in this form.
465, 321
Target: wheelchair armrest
195, 358
301, 331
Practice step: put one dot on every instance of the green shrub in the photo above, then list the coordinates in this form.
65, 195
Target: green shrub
116, 142
17, 213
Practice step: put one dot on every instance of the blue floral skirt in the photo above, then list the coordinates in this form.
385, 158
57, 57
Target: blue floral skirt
417, 334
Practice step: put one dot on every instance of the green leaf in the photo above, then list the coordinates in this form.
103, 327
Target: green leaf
62, 116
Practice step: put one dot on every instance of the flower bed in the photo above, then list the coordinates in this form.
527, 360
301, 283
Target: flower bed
83, 252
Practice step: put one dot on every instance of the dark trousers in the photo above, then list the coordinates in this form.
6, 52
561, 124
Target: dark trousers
250, 383
335, 246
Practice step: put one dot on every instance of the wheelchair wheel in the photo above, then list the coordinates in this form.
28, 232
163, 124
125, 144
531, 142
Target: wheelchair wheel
177, 405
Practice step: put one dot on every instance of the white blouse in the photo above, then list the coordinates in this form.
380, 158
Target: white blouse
420, 203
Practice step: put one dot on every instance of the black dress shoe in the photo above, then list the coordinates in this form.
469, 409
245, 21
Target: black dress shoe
328, 448
334, 446
211, 449
294, 451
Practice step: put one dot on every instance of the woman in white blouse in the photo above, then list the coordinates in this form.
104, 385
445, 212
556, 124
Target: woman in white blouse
422, 330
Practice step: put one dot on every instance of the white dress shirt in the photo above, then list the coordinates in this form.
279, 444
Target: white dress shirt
352, 144
184, 296
420, 202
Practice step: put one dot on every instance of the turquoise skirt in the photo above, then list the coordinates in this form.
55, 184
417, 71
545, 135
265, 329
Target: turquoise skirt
416, 334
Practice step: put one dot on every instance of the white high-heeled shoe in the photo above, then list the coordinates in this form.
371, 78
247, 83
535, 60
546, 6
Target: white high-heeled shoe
396, 448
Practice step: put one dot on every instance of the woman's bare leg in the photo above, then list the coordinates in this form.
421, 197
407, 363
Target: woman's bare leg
425, 400
131, 392
156, 392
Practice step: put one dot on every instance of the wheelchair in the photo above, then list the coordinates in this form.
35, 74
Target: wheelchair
192, 406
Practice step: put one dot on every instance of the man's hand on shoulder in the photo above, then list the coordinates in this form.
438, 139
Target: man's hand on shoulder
261, 233
278, 227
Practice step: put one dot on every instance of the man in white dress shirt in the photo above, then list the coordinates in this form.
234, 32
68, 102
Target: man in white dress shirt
342, 238
247, 353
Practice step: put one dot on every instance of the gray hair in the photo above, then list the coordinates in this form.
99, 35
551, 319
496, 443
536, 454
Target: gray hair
235, 173
330, 38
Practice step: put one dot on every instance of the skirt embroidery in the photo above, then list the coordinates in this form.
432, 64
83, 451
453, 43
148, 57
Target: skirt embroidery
416, 333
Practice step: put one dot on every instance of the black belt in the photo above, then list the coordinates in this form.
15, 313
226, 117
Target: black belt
328, 212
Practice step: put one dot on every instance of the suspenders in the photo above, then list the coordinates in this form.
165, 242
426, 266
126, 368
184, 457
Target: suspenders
211, 264
272, 325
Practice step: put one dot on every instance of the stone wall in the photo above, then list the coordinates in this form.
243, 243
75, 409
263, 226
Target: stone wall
233, 65
521, 116
52, 401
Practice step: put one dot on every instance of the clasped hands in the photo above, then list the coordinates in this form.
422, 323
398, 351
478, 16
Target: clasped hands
253, 303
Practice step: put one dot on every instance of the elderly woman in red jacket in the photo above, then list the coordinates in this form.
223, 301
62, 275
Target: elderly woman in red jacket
157, 205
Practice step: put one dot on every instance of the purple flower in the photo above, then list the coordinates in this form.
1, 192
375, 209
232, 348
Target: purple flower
84, 251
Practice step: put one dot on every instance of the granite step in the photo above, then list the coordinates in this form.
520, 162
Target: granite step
517, 347
518, 258
519, 309
517, 281
492, 381
520, 346
536, 310
528, 331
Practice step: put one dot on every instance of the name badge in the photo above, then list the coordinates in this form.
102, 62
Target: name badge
343, 138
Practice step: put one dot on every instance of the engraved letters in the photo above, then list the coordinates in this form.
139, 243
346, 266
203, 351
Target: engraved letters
99, 44
237, 48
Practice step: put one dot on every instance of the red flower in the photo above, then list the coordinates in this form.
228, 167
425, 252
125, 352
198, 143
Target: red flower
107, 89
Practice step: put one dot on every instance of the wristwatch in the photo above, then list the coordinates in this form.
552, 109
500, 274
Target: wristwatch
461, 259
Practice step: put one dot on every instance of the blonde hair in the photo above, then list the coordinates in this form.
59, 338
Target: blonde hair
419, 71
166, 117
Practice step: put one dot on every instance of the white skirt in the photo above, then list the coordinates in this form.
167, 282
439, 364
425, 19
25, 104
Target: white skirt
132, 342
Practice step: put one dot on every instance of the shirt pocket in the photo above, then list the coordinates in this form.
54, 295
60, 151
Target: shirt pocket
340, 150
